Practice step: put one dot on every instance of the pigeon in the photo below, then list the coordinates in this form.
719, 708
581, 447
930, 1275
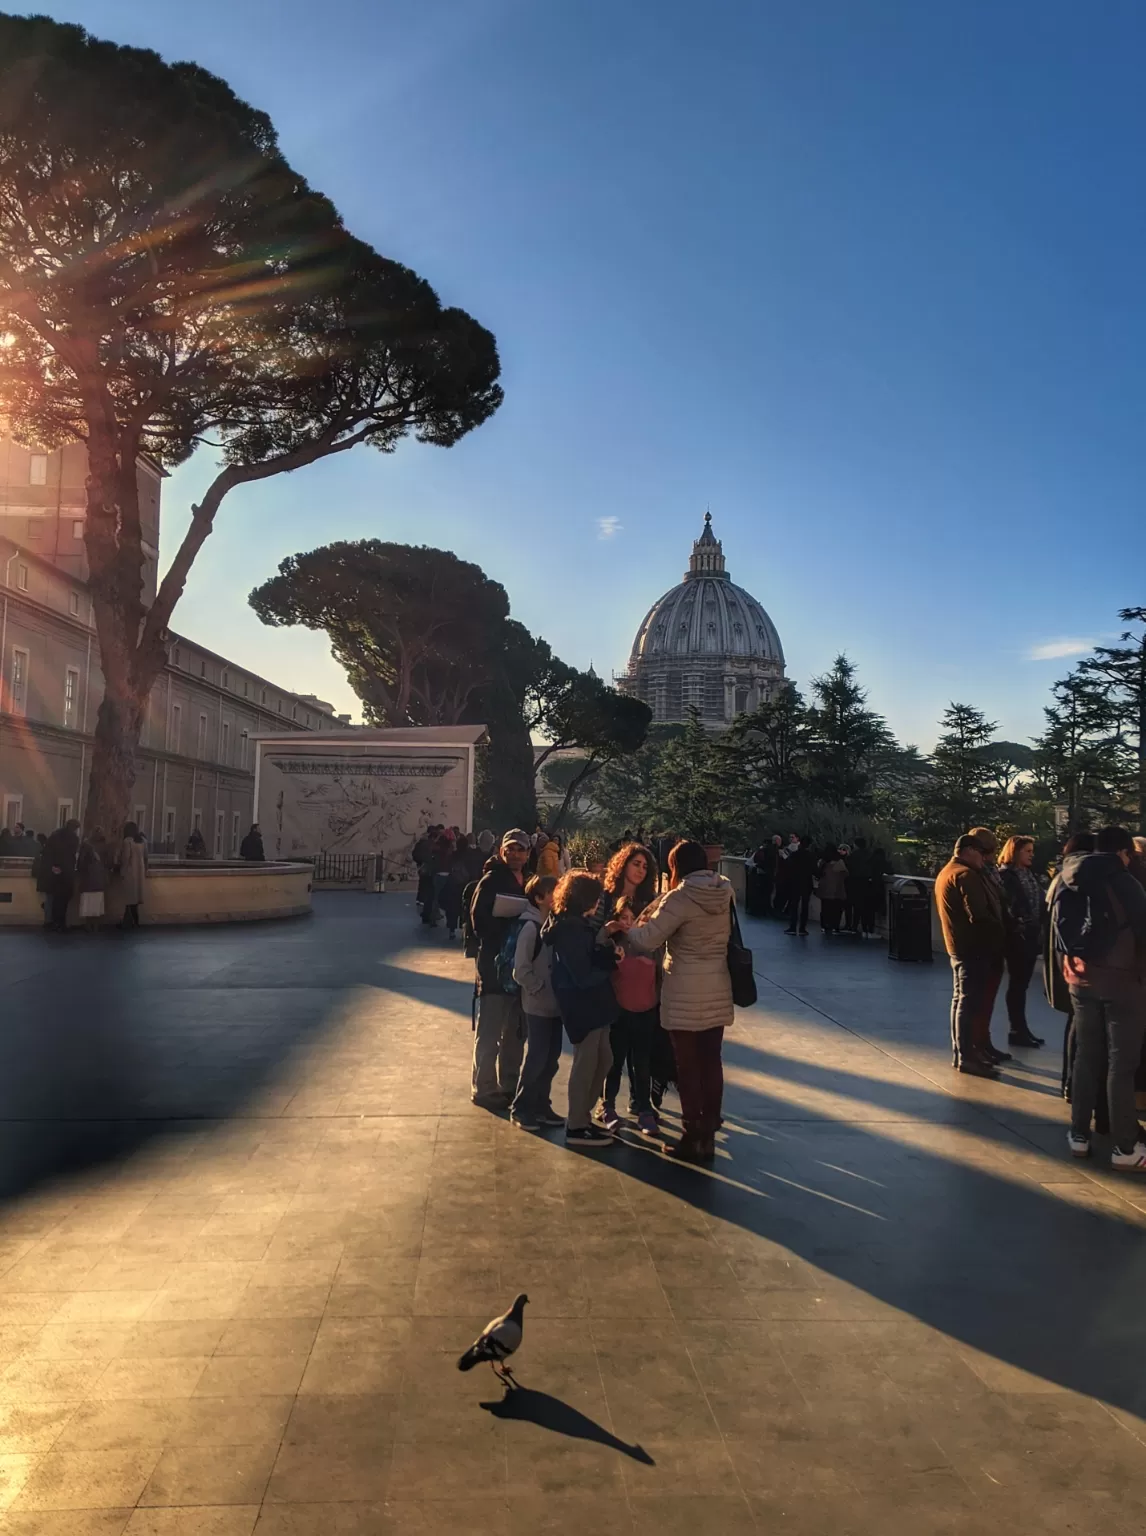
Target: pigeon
496, 1342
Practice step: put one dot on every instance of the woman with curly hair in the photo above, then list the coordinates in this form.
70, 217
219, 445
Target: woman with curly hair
630, 885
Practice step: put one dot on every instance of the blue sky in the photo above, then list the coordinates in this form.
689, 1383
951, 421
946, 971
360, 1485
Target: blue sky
863, 276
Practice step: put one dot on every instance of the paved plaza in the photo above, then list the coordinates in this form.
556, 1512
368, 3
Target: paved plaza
251, 1219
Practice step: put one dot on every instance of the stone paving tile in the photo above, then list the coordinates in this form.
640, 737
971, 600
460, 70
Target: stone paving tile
236, 1305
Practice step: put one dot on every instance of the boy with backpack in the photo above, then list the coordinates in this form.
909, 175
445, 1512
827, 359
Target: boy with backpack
530, 973
582, 977
1098, 925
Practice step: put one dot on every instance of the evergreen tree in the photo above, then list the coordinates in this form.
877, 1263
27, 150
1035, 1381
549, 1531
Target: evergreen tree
845, 738
1121, 672
1078, 756
959, 794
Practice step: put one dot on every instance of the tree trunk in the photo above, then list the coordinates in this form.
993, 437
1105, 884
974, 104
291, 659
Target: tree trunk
117, 732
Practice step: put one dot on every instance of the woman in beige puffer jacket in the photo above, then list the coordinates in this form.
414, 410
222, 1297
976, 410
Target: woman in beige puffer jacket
692, 921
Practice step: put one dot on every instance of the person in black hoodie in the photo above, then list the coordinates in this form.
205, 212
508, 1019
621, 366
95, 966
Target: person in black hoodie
801, 875
582, 979
499, 1038
1098, 915
59, 871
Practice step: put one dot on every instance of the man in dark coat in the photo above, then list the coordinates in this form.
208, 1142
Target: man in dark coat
59, 872
252, 845
499, 1042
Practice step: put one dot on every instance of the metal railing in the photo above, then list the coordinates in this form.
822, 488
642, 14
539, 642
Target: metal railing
364, 869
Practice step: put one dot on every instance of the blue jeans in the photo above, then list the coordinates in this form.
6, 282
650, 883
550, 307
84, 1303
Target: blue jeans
542, 1058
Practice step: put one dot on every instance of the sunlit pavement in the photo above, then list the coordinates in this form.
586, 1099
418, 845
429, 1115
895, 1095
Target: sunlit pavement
252, 1219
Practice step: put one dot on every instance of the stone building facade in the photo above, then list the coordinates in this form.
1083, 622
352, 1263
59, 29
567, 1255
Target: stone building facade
196, 757
707, 644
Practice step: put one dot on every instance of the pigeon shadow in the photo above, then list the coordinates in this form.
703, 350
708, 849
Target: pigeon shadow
551, 1413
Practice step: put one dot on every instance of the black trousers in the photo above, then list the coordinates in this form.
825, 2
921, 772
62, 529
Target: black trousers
1021, 957
798, 904
631, 1041
831, 911
59, 894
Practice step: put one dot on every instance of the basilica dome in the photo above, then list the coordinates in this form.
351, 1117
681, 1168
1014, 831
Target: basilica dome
706, 643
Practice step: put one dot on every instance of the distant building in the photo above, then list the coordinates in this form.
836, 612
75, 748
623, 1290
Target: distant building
706, 643
196, 760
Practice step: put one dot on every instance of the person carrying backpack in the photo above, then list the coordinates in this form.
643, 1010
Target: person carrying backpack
1098, 919
498, 901
532, 965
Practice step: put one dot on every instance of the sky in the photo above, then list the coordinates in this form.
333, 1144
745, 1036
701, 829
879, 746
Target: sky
864, 277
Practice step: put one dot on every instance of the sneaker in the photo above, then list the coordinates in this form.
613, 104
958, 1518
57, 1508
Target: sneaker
588, 1136
609, 1117
526, 1122
647, 1123
550, 1117
494, 1101
1130, 1162
1079, 1145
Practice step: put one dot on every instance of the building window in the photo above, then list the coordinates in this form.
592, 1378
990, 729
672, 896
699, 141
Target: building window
175, 729
246, 688
235, 834
264, 697
201, 738
175, 657
224, 680
196, 820
18, 689
202, 669
244, 743
63, 812
139, 816
35, 529
78, 530
13, 811
22, 577
38, 470
220, 828
169, 825
73, 602
71, 696
225, 743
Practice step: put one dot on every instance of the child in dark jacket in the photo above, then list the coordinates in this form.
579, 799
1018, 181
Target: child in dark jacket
583, 964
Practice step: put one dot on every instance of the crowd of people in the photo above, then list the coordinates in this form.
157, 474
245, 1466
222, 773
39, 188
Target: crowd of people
630, 968
1090, 928
849, 881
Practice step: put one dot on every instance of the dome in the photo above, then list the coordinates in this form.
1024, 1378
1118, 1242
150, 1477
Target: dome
707, 614
706, 644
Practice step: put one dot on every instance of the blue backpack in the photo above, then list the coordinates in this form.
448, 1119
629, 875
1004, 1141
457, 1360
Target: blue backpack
1085, 924
503, 965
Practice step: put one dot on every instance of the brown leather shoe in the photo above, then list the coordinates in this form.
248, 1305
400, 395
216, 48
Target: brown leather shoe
686, 1150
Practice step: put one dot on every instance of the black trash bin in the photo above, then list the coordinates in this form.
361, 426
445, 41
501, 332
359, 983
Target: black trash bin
909, 921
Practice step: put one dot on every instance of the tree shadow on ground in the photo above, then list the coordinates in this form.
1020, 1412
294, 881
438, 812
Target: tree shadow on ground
526, 1405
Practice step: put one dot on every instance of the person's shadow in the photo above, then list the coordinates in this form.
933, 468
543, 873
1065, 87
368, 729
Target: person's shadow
551, 1413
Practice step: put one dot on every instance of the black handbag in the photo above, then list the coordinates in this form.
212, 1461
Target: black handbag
740, 964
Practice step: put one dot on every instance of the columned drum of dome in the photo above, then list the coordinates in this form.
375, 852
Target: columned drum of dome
707, 643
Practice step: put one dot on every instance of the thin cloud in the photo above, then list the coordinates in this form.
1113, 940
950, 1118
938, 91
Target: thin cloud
608, 527
1055, 650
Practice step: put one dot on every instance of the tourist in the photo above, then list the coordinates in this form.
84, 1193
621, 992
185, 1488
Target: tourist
92, 880
1023, 915
8, 836
800, 874
564, 860
583, 962
766, 863
251, 847
1098, 916
61, 850
499, 1038
547, 855
458, 876
630, 883
532, 964
832, 888
131, 869
971, 915
196, 848
422, 855
692, 919
1055, 984
24, 844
